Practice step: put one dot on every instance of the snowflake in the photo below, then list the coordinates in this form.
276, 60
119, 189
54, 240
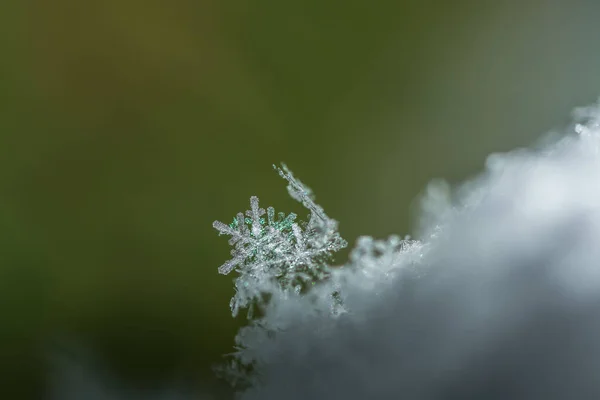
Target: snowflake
278, 252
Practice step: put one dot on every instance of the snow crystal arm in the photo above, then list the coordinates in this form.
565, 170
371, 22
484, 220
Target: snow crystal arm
255, 213
301, 193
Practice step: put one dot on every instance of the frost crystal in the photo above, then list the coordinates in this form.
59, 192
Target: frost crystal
277, 252
384, 258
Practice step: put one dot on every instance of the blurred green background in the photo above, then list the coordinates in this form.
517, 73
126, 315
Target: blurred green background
128, 126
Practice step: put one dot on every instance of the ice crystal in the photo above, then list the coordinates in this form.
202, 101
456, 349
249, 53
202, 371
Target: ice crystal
381, 257
278, 252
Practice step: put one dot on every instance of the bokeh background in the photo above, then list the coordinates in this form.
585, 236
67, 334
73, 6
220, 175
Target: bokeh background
128, 126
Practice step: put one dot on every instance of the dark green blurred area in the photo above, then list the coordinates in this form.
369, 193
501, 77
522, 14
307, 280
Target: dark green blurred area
128, 126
